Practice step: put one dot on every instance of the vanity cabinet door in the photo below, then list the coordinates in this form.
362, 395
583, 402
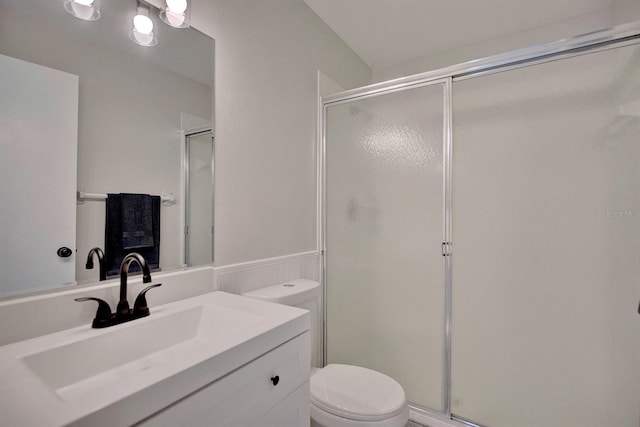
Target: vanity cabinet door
38, 144
271, 390
293, 411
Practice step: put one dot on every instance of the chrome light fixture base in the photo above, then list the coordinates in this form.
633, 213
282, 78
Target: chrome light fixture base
87, 10
176, 13
174, 19
142, 39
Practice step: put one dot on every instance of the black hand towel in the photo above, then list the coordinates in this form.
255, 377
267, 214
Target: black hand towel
114, 250
137, 221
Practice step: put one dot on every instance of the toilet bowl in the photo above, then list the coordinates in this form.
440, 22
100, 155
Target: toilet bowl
346, 395
341, 395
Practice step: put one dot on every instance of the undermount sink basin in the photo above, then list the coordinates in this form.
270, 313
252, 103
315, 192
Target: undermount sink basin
80, 367
122, 374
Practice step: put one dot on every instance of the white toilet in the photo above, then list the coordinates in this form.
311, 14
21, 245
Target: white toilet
341, 395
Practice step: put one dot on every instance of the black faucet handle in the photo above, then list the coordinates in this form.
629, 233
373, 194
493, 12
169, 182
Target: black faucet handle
104, 311
140, 307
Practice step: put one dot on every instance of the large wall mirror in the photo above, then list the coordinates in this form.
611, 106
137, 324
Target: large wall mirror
135, 107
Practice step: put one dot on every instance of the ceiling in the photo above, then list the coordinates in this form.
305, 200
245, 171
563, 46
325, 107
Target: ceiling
390, 32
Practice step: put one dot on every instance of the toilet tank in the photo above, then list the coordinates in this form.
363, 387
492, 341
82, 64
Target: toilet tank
300, 293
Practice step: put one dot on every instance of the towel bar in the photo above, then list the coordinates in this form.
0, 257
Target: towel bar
167, 198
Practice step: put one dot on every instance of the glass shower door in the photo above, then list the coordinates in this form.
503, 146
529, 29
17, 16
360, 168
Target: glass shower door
546, 231
384, 228
199, 199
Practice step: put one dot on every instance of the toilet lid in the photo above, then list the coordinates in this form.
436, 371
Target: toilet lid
356, 393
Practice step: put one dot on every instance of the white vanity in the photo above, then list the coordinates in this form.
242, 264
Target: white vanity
213, 360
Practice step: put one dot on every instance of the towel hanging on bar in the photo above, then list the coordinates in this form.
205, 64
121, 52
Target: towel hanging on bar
137, 221
115, 239
82, 196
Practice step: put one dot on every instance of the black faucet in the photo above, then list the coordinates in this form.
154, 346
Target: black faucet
104, 318
100, 254
123, 304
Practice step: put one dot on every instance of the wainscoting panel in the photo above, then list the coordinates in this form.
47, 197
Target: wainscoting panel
248, 276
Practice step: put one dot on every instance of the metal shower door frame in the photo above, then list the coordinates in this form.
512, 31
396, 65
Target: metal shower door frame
186, 170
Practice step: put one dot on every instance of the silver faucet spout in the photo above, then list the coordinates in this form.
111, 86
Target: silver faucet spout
123, 304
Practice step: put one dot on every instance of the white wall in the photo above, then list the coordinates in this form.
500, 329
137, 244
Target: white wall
623, 11
566, 28
326, 85
267, 57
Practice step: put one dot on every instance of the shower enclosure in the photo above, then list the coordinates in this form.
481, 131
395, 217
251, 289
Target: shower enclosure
481, 228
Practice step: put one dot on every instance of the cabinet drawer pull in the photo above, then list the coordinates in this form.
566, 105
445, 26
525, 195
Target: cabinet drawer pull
275, 380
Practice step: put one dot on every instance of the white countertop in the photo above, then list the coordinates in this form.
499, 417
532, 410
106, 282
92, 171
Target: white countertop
238, 330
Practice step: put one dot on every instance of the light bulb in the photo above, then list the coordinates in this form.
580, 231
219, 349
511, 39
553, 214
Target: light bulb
177, 6
142, 23
142, 31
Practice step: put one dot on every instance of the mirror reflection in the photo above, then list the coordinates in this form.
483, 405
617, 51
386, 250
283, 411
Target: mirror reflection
86, 112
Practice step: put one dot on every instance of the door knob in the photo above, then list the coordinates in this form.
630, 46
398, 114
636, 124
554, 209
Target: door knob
64, 252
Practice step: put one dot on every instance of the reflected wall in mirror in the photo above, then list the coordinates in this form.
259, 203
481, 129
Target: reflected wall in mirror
133, 105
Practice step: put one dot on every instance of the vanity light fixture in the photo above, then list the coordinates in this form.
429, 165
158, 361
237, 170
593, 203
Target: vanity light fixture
88, 10
175, 14
142, 31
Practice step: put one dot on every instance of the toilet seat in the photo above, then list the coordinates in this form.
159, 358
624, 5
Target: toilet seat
356, 393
